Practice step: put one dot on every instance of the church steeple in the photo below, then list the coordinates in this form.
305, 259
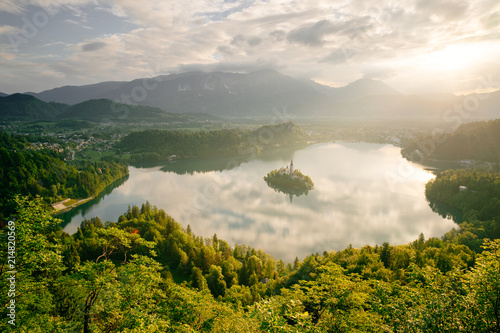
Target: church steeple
291, 166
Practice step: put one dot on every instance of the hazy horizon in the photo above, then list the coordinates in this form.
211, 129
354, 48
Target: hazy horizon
416, 47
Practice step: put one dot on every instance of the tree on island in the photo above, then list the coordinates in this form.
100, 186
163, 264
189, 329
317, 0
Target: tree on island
289, 181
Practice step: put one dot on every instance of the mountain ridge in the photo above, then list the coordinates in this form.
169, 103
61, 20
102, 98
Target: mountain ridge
22, 107
265, 92
218, 93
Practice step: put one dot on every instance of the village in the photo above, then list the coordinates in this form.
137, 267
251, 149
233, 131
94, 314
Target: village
75, 144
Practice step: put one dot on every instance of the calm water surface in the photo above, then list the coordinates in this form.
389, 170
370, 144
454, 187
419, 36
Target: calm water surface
364, 194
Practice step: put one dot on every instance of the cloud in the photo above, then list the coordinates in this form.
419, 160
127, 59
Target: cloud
251, 41
312, 34
78, 24
447, 9
238, 39
254, 41
228, 8
8, 29
93, 46
332, 42
238, 67
492, 21
339, 56
7, 56
277, 35
50, 6
11, 6
225, 50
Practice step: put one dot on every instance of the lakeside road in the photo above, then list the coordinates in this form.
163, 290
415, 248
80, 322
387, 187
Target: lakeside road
68, 204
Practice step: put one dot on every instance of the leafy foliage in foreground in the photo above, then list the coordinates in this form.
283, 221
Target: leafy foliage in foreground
146, 274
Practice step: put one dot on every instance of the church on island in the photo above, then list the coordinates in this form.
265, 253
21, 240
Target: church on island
288, 170
289, 180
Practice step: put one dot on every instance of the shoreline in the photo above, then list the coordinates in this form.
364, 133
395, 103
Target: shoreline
61, 207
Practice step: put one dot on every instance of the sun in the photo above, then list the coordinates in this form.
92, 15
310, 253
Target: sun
457, 57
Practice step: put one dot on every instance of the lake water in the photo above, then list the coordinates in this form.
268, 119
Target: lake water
364, 194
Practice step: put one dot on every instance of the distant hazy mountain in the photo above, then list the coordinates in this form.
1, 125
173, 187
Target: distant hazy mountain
363, 88
226, 94
21, 107
488, 107
223, 94
98, 110
355, 90
77, 94
2, 94
390, 107
262, 93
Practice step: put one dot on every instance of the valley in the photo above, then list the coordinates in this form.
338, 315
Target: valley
399, 207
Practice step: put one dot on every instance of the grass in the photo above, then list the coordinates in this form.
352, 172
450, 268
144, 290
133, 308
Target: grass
70, 202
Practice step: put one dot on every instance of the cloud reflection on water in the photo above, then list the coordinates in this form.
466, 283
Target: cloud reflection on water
354, 201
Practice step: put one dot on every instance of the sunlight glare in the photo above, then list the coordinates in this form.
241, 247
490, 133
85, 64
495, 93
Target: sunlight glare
456, 57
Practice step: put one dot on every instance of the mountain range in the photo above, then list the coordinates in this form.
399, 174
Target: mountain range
263, 92
22, 107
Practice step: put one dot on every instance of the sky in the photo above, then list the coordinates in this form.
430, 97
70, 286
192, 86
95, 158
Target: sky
415, 46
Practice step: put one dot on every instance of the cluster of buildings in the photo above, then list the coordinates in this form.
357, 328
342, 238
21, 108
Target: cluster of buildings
75, 143
46, 145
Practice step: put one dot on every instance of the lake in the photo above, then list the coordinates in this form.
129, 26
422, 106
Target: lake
365, 194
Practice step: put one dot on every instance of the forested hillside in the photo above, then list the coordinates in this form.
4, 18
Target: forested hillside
20, 107
476, 195
476, 141
44, 172
101, 110
146, 273
157, 145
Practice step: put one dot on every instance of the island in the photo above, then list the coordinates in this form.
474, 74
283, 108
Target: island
290, 181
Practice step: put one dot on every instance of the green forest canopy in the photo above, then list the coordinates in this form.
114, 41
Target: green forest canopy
146, 273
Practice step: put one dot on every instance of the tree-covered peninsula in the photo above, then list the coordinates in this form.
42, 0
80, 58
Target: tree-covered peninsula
159, 145
475, 195
477, 141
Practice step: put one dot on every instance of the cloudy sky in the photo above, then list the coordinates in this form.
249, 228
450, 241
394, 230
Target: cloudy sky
415, 46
